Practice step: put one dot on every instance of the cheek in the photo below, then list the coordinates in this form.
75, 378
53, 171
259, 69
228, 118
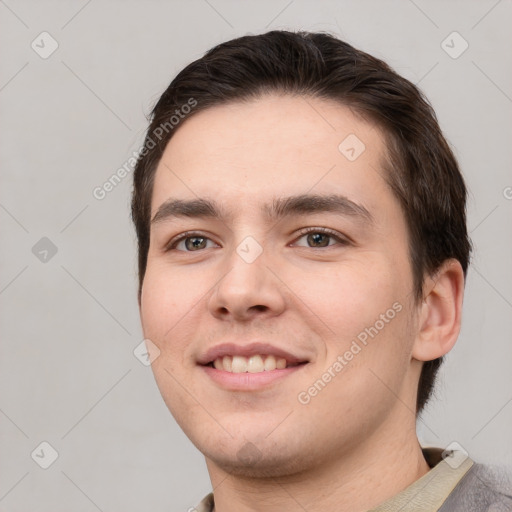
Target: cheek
167, 304
362, 306
167, 315
350, 296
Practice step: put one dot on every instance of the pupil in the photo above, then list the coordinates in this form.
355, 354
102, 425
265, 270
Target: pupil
318, 240
195, 243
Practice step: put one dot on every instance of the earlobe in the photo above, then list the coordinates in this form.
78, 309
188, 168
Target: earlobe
440, 312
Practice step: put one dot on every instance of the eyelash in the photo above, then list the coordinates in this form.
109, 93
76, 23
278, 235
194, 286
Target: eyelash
325, 231
303, 232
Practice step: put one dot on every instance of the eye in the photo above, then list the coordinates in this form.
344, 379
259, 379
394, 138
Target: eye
190, 242
316, 238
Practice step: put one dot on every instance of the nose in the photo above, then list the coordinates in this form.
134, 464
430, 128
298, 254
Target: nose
247, 290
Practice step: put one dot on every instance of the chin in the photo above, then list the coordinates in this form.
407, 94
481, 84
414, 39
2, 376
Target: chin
248, 460
266, 467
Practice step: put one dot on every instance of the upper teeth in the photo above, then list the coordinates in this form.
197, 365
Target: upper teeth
253, 364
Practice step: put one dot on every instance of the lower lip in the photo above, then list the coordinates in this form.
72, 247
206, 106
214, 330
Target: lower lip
248, 381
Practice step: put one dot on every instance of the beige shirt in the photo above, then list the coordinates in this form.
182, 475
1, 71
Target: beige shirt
427, 494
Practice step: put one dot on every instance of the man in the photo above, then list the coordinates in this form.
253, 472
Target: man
302, 256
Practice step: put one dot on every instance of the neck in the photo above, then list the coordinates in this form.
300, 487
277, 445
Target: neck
354, 481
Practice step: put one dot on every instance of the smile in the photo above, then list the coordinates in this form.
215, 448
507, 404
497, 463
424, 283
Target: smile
253, 364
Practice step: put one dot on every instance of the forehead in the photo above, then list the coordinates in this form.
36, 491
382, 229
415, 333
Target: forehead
275, 145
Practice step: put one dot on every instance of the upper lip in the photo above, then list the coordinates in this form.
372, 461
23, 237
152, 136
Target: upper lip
247, 350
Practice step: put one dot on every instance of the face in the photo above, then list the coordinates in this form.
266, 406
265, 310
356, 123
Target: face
278, 287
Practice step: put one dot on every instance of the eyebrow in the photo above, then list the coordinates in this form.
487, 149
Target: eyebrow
279, 208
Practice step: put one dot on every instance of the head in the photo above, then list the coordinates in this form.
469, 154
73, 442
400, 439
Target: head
249, 144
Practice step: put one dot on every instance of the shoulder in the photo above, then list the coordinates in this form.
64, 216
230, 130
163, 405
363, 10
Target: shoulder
206, 504
483, 488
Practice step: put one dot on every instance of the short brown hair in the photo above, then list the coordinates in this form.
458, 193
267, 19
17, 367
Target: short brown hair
420, 166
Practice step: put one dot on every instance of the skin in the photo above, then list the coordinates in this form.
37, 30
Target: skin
354, 445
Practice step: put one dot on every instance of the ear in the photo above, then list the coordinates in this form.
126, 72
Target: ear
440, 312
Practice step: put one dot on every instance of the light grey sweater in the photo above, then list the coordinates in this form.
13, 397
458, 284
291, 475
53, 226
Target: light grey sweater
455, 483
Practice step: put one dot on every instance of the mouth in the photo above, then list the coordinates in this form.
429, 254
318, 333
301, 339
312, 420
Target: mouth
254, 364
250, 367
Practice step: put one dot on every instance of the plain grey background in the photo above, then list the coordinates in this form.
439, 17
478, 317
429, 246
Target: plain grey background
70, 320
